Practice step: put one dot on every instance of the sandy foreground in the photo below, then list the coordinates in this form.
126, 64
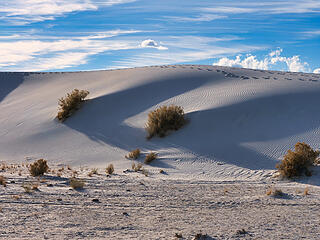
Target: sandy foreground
129, 205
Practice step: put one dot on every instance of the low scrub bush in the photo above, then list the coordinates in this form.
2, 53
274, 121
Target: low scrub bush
38, 168
136, 167
165, 119
297, 162
76, 183
110, 169
150, 157
71, 103
134, 154
3, 181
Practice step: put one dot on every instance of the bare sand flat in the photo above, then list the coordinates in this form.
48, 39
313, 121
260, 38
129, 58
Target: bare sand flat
217, 168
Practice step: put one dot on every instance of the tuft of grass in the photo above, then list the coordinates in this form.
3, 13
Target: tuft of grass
161, 171
145, 172
134, 154
306, 191
38, 168
3, 181
93, 171
297, 162
77, 183
274, 192
71, 103
150, 157
136, 167
27, 188
110, 169
165, 119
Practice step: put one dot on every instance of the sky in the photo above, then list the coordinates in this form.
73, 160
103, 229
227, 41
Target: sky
74, 35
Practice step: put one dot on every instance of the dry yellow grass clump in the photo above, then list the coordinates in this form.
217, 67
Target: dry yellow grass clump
38, 168
150, 157
110, 169
297, 162
76, 183
71, 103
134, 154
3, 181
136, 167
165, 119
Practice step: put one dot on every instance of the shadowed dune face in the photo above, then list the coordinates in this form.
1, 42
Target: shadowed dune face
9, 82
218, 133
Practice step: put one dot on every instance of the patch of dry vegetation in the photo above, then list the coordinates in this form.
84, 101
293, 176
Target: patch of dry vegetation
297, 162
77, 183
150, 157
136, 167
71, 103
3, 181
110, 169
274, 192
38, 168
165, 119
134, 154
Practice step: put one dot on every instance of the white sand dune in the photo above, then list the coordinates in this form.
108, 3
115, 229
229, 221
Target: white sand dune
241, 121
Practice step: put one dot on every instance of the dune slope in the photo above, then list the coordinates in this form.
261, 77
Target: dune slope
241, 121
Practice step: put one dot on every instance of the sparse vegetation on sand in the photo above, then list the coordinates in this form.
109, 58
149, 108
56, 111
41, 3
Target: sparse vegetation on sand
297, 162
274, 192
71, 103
77, 183
150, 157
134, 154
110, 169
3, 181
136, 167
165, 119
38, 168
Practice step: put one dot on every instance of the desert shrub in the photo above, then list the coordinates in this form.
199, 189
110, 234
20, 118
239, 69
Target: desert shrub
150, 157
110, 169
76, 183
3, 181
71, 103
38, 168
134, 154
136, 167
145, 172
297, 162
164, 119
274, 192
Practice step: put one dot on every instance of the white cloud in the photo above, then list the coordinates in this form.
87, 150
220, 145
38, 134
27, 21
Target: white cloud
293, 64
39, 55
149, 43
317, 71
20, 12
201, 18
266, 7
184, 49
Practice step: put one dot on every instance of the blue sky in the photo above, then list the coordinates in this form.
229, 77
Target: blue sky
58, 35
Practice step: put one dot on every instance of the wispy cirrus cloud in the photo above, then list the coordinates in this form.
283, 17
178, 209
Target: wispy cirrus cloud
21, 12
199, 18
60, 53
266, 7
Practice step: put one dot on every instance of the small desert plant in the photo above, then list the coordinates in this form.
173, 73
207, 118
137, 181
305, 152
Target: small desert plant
136, 167
27, 188
3, 181
150, 157
306, 191
274, 192
93, 171
134, 154
110, 169
145, 172
76, 183
297, 162
164, 119
161, 171
71, 103
38, 168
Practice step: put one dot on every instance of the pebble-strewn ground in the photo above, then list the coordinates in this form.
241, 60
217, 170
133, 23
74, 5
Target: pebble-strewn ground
132, 206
